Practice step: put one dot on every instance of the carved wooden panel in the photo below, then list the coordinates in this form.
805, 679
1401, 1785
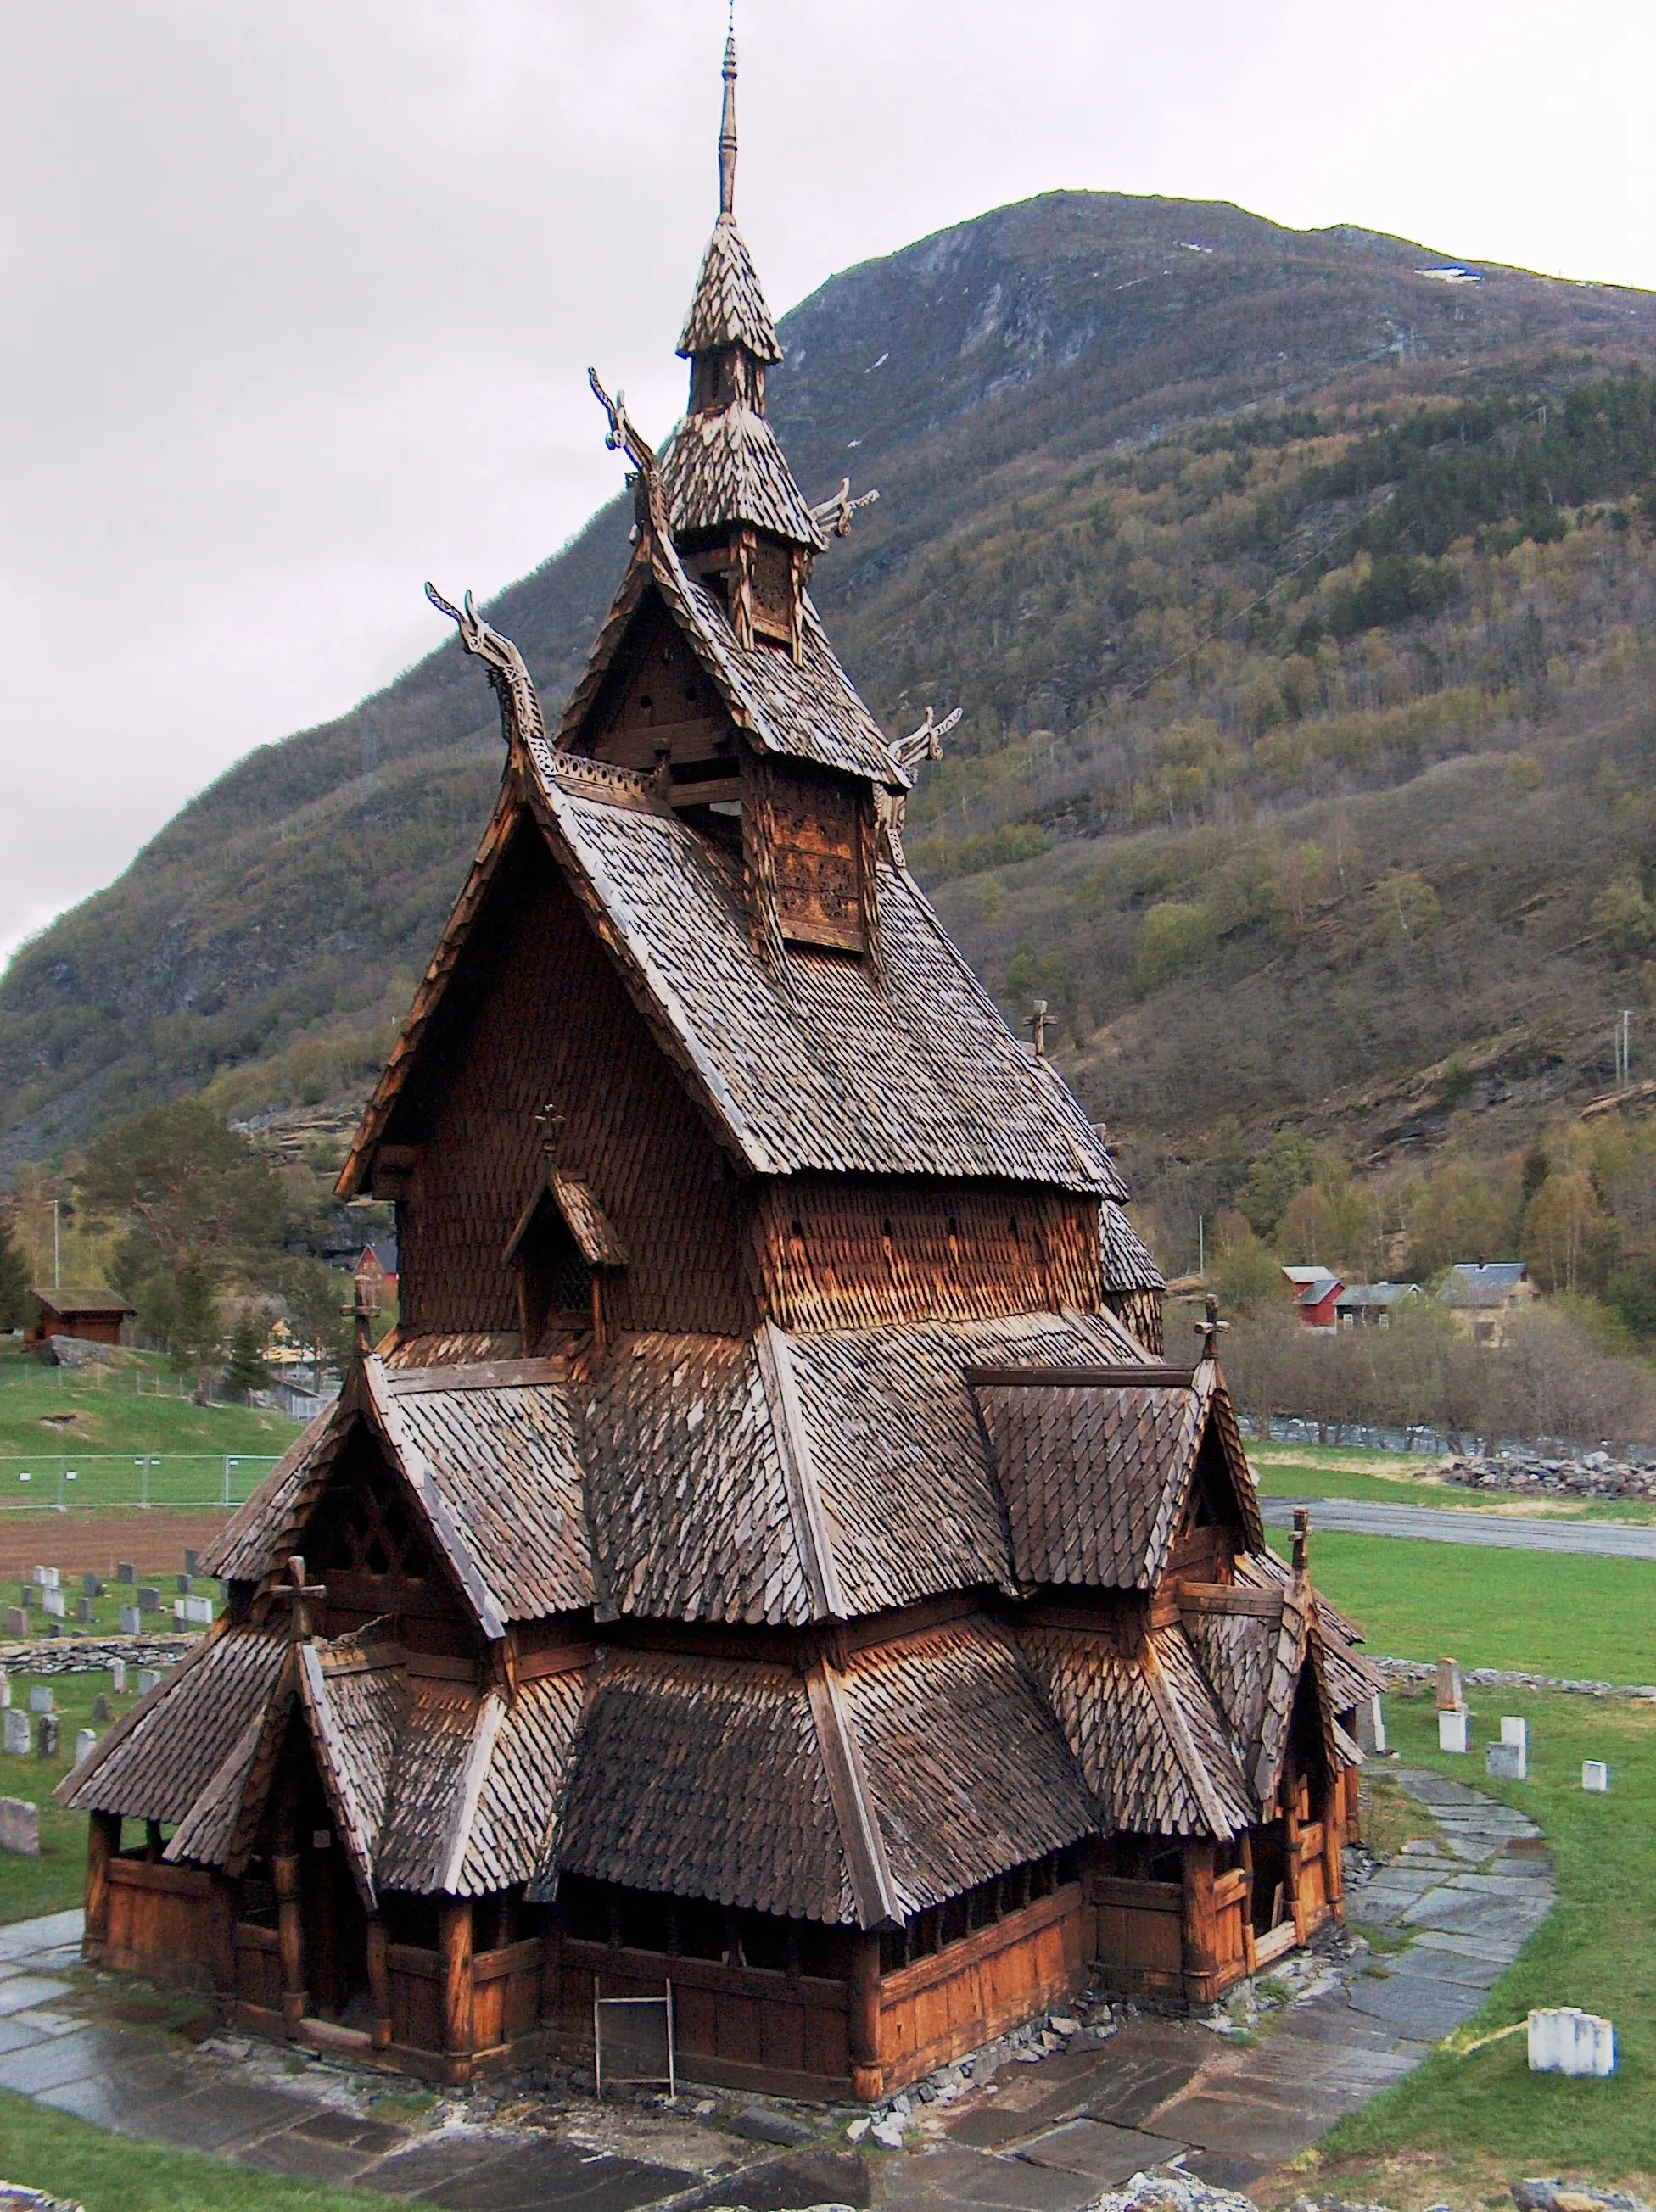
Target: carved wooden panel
817, 863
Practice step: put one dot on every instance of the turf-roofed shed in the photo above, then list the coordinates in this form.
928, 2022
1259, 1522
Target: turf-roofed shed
771, 1555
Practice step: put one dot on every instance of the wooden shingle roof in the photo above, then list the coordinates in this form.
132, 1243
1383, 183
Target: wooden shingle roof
1096, 1467
727, 306
728, 467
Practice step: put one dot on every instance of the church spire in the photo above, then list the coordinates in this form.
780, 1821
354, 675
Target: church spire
727, 132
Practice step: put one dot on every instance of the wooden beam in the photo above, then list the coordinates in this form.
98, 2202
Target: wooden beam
454, 1954
862, 2021
290, 1933
1200, 1927
103, 1843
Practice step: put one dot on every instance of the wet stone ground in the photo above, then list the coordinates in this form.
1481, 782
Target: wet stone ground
1045, 2122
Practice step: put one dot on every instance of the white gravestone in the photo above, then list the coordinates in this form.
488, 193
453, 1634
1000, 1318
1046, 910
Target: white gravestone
118, 1672
54, 1605
1595, 1775
20, 1827
17, 1734
148, 1678
1565, 2041
1454, 1729
84, 1739
1370, 1726
130, 1624
39, 1700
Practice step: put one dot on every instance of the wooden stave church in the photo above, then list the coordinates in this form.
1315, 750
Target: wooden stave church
772, 1554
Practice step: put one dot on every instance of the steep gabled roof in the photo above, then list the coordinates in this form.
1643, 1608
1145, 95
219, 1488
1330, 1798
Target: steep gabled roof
1096, 1467
804, 710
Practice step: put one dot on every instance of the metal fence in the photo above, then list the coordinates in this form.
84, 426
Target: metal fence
31, 1480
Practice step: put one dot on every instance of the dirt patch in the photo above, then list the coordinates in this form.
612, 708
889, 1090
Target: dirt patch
1412, 2181
95, 1543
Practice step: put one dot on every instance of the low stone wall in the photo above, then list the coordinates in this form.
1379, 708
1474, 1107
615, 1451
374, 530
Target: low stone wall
1499, 1678
1596, 1475
91, 1654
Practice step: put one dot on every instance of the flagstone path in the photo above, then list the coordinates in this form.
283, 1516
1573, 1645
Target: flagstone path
1038, 2138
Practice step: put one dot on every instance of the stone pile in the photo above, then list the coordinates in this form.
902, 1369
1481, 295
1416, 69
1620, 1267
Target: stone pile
1596, 1475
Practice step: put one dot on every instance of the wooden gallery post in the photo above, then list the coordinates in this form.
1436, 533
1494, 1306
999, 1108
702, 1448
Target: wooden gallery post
454, 1953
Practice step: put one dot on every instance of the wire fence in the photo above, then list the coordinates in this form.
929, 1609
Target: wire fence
175, 1480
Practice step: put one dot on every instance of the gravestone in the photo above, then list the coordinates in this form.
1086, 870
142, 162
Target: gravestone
39, 1700
84, 1739
1451, 1698
50, 1737
184, 1585
1371, 1726
26, 1595
197, 1611
84, 1612
1595, 1775
20, 1827
16, 1620
53, 1604
191, 1561
1506, 1762
117, 1671
1454, 1730
5, 1692
131, 1622
149, 1600
126, 1575
46, 1577
148, 1678
54, 1628
102, 1711
1564, 2040
16, 1733
92, 1585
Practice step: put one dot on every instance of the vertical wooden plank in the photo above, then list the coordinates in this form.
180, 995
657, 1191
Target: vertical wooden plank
378, 1982
455, 1951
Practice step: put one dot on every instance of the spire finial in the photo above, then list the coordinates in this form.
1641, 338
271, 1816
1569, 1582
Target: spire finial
728, 125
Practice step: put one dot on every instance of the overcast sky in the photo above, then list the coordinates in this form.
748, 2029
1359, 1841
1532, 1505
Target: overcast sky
296, 302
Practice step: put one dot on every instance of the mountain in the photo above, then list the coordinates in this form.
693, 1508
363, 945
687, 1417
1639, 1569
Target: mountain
1164, 490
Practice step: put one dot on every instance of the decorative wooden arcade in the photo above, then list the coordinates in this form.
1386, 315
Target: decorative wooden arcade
773, 1554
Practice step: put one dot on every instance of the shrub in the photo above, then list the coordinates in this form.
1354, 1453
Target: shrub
1175, 937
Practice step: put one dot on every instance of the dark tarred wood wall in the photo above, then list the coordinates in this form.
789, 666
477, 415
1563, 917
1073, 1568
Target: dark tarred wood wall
537, 1014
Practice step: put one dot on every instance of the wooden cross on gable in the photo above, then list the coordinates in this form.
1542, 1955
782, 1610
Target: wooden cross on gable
297, 1593
363, 1312
1210, 1329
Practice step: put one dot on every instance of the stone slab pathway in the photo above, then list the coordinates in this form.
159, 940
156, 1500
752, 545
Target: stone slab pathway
1161, 2091
1047, 2137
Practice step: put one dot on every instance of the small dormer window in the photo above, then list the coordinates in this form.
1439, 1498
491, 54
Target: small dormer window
561, 1253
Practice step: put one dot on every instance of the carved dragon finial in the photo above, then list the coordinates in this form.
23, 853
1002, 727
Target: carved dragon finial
835, 513
927, 742
520, 718
624, 436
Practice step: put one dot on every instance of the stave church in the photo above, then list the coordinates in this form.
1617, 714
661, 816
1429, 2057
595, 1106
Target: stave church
773, 1557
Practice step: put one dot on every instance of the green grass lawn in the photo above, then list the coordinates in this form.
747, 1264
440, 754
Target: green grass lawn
1461, 2128
1380, 1479
52, 1883
48, 1411
1538, 1612
68, 2158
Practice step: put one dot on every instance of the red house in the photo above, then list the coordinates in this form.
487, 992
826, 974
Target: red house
1315, 1293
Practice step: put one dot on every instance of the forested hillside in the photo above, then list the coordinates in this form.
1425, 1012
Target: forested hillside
1299, 593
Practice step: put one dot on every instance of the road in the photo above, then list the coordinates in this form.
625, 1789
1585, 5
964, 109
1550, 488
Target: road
1348, 1516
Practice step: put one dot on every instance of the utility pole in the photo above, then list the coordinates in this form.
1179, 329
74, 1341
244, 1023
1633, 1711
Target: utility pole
1201, 1244
1623, 1039
57, 1254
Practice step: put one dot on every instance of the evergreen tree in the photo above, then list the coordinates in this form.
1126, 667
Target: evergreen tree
196, 1334
15, 1306
247, 1371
